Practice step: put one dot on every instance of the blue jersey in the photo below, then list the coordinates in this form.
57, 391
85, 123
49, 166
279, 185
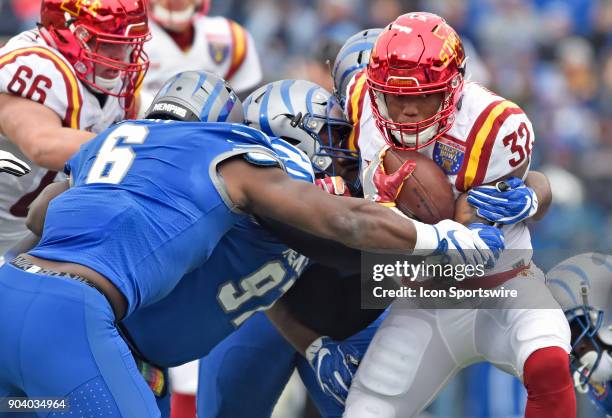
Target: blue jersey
248, 270
146, 204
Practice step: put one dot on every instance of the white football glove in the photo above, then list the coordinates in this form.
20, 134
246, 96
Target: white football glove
477, 244
12, 165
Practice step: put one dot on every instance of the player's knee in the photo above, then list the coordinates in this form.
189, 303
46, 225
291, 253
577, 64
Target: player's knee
546, 371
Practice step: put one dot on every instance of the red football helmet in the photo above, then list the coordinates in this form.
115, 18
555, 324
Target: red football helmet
417, 54
174, 14
102, 39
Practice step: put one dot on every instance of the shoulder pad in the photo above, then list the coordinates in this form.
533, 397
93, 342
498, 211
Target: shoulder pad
261, 159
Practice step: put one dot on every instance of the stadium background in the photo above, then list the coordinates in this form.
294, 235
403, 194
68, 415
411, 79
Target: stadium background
553, 58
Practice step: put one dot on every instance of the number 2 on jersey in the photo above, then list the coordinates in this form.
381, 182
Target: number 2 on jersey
114, 159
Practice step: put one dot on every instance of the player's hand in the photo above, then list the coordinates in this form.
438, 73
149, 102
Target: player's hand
333, 185
12, 165
381, 187
334, 364
477, 244
493, 238
508, 202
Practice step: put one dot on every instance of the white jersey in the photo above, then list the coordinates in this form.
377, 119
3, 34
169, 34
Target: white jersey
219, 45
489, 139
30, 68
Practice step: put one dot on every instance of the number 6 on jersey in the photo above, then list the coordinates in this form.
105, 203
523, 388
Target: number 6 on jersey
113, 160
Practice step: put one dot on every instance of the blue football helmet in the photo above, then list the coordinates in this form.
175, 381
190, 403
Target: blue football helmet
352, 57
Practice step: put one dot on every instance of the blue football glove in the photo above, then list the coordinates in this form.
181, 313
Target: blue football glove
478, 244
506, 203
334, 364
494, 240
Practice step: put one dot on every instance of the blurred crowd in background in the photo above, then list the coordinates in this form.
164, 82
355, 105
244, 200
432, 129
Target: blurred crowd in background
552, 57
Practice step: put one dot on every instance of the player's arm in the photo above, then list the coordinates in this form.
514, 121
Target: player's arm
294, 331
324, 251
538, 182
38, 209
511, 200
334, 362
38, 132
356, 223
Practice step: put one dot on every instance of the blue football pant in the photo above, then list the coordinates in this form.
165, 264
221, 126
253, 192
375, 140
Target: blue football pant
245, 374
58, 339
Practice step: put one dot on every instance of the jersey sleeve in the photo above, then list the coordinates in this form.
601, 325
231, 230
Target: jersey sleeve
245, 68
355, 96
499, 142
39, 74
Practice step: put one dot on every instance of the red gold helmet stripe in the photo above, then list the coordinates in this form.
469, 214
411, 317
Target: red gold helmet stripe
481, 140
239, 48
73, 111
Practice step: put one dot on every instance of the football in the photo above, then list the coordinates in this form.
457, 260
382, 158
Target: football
427, 195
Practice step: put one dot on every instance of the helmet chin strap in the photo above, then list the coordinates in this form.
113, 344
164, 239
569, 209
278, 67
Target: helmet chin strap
169, 18
411, 140
109, 84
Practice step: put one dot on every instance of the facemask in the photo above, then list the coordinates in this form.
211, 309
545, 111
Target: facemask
409, 140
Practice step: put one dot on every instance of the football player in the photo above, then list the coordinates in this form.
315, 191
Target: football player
186, 38
413, 96
148, 202
233, 367
307, 116
73, 76
582, 285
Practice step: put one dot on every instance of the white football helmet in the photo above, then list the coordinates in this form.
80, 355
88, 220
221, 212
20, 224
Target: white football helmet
305, 115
